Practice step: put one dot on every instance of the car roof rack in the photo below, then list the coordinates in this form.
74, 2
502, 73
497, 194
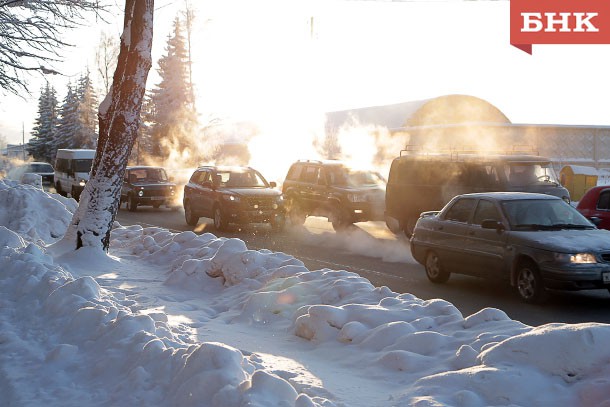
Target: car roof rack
455, 153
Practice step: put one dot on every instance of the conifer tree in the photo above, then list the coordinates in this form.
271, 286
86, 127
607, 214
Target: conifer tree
41, 145
174, 118
86, 133
68, 121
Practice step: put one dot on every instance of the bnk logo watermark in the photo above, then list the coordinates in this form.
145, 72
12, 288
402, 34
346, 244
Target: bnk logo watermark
559, 22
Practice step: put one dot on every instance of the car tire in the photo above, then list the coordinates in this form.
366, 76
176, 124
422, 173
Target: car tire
59, 190
435, 272
132, 203
339, 220
295, 213
530, 286
219, 220
408, 226
278, 223
75, 194
191, 218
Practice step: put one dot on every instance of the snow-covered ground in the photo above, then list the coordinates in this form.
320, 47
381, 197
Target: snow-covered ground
195, 320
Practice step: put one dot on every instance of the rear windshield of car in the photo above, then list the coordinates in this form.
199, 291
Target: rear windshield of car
39, 168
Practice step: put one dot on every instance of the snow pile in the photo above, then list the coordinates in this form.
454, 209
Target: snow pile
185, 319
29, 211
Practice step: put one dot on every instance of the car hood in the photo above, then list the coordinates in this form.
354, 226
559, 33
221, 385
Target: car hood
253, 191
564, 241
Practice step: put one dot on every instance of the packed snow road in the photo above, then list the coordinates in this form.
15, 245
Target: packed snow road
370, 250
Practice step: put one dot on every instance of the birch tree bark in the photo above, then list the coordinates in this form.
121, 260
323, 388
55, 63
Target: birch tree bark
119, 115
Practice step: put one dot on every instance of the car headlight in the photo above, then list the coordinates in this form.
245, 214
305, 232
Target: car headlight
82, 182
140, 193
231, 198
578, 258
356, 198
583, 258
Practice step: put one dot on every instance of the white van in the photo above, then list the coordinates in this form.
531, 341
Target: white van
72, 167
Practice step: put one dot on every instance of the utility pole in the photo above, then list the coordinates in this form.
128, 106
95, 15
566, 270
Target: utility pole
23, 139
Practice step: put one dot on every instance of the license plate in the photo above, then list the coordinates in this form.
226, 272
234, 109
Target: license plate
606, 277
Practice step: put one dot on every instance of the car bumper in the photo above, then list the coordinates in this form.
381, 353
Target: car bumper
583, 277
364, 211
254, 216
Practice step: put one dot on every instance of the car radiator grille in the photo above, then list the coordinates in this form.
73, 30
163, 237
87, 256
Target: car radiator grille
260, 203
156, 192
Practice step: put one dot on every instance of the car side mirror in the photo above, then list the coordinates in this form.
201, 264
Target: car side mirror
273, 184
492, 224
595, 220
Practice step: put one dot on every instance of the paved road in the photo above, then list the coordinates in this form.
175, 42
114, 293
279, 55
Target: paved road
370, 250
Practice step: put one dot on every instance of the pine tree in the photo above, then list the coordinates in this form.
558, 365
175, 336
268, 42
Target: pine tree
68, 121
86, 134
41, 146
174, 118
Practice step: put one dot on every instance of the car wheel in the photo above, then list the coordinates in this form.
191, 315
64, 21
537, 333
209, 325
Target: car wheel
408, 226
132, 203
278, 223
339, 220
296, 214
434, 270
219, 221
74, 194
529, 283
59, 190
189, 215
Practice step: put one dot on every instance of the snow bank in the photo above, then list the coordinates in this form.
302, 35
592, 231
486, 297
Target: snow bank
66, 339
29, 211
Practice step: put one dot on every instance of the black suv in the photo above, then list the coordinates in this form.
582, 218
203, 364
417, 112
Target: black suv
144, 185
232, 195
333, 190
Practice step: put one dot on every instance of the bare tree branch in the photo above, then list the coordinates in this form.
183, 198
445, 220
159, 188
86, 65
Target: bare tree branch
31, 34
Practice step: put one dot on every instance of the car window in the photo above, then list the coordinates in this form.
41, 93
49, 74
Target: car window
310, 174
295, 172
545, 212
485, 210
604, 201
460, 211
200, 177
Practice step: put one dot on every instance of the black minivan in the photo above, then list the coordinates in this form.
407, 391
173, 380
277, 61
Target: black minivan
420, 182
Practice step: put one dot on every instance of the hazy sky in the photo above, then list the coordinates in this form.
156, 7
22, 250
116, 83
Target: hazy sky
283, 61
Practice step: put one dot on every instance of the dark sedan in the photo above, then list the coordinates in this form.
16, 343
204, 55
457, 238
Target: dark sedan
533, 241
147, 185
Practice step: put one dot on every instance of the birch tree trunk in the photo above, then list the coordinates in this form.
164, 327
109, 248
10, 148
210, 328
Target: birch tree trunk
119, 119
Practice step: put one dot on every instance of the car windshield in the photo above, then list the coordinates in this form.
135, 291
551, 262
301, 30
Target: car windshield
343, 176
82, 165
242, 179
527, 174
544, 214
39, 168
148, 175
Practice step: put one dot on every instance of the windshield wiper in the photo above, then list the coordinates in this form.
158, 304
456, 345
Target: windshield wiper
535, 226
572, 226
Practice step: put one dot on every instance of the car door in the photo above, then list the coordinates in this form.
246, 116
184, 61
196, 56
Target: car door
195, 191
486, 247
602, 209
307, 187
452, 236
